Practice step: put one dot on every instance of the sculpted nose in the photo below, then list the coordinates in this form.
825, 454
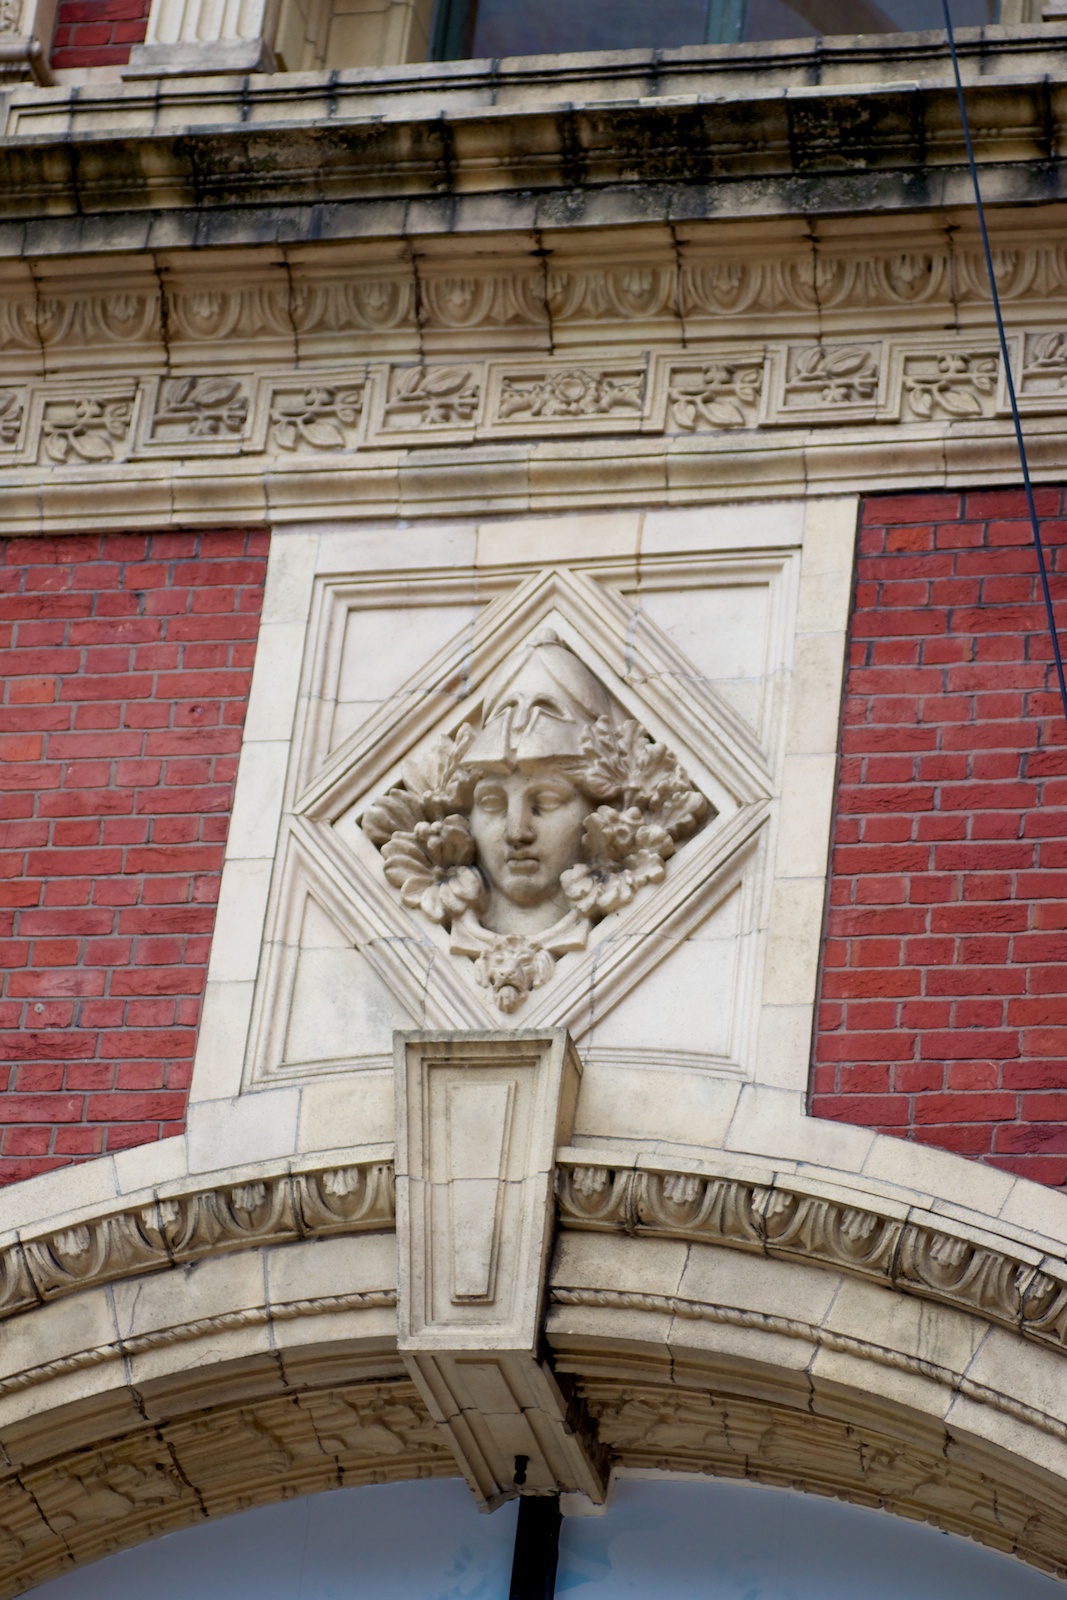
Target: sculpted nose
519, 825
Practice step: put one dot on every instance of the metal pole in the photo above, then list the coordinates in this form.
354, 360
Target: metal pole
533, 1570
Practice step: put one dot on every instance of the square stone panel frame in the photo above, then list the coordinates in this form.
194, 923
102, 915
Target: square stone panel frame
226, 1124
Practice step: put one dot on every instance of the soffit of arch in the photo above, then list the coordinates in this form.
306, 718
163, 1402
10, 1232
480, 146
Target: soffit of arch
719, 1413
110, 1481
76, 1506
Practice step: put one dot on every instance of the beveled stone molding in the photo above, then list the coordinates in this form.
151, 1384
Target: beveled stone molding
267, 441
905, 1247
479, 1118
901, 1247
316, 413
173, 1229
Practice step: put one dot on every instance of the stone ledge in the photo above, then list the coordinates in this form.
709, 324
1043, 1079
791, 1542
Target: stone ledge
713, 150
689, 72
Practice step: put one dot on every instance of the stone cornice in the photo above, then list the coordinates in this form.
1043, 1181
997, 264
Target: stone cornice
683, 134
165, 309
747, 360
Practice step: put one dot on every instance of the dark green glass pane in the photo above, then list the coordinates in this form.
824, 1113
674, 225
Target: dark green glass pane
549, 27
521, 28
802, 19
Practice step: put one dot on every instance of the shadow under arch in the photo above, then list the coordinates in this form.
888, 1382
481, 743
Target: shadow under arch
693, 1538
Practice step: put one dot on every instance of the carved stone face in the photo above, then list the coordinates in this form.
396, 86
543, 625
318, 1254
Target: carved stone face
494, 833
527, 830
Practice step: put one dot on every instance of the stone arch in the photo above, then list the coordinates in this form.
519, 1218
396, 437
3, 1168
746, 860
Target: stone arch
206, 1347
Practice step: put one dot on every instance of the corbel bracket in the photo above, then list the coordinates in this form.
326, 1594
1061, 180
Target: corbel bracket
479, 1119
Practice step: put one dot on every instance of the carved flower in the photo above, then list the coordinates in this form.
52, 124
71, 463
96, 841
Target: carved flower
432, 866
571, 394
625, 852
433, 786
511, 967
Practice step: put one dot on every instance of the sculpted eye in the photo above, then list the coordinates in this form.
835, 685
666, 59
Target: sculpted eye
548, 800
492, 801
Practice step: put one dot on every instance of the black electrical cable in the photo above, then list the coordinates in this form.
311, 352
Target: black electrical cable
1034, 523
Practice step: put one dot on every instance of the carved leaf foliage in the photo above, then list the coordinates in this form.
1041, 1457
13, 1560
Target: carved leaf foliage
960, 402
91, 446
845, 360
623, 762
722, 413
323, 433
210, 391
438, 777
810, 363
1048, 347
444, 380
685, 412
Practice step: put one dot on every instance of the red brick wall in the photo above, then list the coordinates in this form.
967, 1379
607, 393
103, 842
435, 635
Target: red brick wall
97, 33
943, 1014
126, 663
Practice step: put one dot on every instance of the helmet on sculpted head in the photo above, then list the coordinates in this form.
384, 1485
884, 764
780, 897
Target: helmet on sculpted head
537, 708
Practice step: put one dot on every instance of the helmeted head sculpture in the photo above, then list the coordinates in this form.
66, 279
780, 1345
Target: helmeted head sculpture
520, 833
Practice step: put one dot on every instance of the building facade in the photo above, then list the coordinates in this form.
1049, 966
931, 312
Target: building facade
533, 786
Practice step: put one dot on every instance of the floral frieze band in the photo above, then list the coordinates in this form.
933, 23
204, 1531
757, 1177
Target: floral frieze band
725, 388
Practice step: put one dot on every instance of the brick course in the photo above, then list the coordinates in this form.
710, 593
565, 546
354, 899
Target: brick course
943, 1009
97, 33
126, 662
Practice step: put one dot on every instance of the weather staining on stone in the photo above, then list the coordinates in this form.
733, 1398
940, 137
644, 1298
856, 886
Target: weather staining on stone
521, 833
